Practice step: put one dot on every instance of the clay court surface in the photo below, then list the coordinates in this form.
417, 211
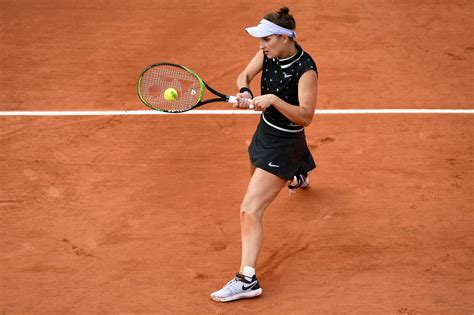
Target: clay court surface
140, 214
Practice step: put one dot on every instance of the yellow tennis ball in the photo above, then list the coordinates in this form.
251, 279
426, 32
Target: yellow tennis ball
170, 94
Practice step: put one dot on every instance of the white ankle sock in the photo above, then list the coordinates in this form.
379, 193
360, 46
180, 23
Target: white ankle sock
248, 271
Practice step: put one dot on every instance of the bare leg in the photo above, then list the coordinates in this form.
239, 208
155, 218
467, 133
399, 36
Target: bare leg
262, 190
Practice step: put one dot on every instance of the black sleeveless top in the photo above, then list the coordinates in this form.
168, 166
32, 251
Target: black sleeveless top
280, 77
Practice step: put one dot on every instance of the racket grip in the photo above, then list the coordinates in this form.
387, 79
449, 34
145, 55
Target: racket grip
233, 100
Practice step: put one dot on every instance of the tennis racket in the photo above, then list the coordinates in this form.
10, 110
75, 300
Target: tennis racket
173, 88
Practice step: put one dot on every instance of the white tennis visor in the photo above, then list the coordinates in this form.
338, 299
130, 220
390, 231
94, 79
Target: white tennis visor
266, 28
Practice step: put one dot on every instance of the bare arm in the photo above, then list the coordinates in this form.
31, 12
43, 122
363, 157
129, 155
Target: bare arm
255, 66
307, 95
243, 80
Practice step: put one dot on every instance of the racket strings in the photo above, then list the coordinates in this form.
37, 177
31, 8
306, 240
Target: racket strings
157, 79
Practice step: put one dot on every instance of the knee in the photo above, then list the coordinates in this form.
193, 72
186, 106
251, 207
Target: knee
249, 214
248, 220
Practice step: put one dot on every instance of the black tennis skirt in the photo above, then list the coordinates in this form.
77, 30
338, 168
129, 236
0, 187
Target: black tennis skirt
284, 154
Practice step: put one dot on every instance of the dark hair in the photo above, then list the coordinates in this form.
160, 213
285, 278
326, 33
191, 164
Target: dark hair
282, 18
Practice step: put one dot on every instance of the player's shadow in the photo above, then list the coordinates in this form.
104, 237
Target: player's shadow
291, 224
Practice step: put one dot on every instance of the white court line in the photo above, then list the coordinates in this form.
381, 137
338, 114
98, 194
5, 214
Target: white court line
232, 112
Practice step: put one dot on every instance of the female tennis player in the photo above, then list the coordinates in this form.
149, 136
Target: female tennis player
278, 152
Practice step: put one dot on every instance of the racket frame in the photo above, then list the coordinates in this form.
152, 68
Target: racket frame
203, 86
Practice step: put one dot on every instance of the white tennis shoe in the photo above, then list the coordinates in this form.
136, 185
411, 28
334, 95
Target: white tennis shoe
299, 181
241, 287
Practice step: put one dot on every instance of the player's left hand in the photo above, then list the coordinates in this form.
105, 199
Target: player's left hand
262, 102
243, 100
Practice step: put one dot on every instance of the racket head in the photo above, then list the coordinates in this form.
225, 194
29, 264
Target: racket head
157, 78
